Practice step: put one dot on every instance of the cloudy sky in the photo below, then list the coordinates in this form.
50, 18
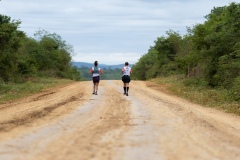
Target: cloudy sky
110, 31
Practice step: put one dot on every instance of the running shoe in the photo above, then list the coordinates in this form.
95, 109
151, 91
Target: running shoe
126, 94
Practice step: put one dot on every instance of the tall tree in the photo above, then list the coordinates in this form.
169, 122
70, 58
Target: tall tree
10, 42
216, 42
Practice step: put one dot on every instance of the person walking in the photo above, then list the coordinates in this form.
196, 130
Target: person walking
95, 71
126, 71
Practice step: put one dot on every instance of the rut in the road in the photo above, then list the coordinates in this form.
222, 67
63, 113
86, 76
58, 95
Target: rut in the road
108, 122
27, 118
20, 115
148, 124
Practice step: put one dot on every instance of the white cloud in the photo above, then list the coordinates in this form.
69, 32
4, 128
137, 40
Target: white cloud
108, 58
109, 29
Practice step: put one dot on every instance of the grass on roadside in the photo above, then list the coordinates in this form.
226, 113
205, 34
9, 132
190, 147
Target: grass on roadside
12, 91
199, 93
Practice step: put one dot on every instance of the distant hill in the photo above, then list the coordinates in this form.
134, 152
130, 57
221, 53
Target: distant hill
89, 65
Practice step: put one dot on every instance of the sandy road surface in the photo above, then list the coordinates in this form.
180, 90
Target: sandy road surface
69, 123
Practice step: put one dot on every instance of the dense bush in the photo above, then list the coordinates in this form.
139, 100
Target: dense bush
22, 57
209, 52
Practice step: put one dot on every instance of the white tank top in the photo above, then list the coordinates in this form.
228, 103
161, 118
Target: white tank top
126, 71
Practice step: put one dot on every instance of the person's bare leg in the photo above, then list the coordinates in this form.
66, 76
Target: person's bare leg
96, 88
93, 88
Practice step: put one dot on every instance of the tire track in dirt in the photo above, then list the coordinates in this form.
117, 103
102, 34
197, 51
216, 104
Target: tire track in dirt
90, 131
148, 124
35, 110
28, 118
96, 139
193, 131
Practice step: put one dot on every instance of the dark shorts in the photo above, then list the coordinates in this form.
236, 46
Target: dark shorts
126, 79
96, 79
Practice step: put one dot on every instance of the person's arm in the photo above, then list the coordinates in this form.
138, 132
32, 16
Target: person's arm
122, 70
101, 72
91, 71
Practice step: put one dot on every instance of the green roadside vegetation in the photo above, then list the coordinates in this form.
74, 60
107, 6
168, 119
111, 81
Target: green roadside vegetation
23, 57
13, 91
202, 94
207, 58
29, 65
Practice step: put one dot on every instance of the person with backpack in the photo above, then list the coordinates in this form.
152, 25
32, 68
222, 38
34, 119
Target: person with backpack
95, 71
126, 71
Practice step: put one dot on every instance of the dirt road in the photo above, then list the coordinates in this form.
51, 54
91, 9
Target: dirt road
69, 123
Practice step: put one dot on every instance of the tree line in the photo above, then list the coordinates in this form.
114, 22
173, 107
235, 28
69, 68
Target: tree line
209, 53
22, 57
108, 73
